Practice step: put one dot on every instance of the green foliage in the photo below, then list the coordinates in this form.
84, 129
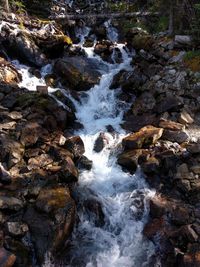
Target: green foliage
18, 6
192, 54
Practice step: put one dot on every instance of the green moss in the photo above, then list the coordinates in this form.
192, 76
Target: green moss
29, 99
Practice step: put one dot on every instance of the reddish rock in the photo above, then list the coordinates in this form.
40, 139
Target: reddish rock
31, 133
145, 137
190, 260
158, 207
171, 125
154, 227
8, 73
42, 89
129, 160
7, 259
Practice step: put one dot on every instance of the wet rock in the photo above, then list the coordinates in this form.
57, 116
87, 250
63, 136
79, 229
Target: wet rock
75, 145
5, 177
50, 80
158, 207
35, 72
16, 229
84, 163
8, 73
23, 44
42, 89
129, 81
100, 142
129, 160
104, 49
10, 203
145, 137
175, 136
94, 207
7, 259
79, 73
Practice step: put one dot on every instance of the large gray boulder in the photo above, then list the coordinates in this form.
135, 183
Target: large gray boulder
78, 73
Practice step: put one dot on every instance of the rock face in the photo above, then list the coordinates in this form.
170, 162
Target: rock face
79, 73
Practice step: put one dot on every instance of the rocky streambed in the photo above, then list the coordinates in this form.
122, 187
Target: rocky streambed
99, 149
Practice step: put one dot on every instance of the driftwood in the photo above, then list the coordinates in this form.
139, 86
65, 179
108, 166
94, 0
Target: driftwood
106, 16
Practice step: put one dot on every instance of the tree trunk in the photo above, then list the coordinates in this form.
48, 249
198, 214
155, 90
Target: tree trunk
171, 19
6, 4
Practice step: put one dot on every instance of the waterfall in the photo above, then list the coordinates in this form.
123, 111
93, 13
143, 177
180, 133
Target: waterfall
123, 197
118, 240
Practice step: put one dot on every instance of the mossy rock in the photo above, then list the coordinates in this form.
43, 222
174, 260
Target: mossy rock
142, 42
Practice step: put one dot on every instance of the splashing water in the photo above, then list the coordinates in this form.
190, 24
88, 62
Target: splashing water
123, 197
118, 240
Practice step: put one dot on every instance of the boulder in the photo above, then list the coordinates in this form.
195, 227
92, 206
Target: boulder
75, 145
185, 118
129, 160
143, 104
51, 221
94, 208
11, 151
175, 136
16, 229
100, 142
171, 125
10, 203
68, 172
84, 163
23, 47
7, 259
169, 103
129, 81
133, 123
8, 73
158, 207
30, 133
104, 49
147, 136
79, 73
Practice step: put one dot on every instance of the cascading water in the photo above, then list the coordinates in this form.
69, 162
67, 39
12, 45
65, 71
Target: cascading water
123, 197
116, 240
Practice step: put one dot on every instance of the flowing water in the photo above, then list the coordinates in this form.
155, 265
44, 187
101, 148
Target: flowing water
123, 197
114, 239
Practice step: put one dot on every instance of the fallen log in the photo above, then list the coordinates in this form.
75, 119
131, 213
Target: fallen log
105, 16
